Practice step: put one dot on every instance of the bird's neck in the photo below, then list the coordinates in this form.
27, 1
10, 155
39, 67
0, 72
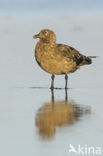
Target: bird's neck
50, 43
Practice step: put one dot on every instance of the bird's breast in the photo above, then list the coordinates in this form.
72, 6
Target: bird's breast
44, 55
43, 52
51, 61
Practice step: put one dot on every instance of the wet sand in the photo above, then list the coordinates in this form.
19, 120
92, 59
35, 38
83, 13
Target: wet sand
26, 105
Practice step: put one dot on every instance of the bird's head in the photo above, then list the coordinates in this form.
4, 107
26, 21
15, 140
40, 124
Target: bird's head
46, 35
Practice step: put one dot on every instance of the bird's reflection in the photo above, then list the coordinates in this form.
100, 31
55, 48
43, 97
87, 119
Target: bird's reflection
58, 114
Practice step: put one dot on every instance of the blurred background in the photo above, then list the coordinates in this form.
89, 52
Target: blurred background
42, 6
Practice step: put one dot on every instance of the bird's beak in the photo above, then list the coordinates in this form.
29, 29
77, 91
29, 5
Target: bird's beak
36, 36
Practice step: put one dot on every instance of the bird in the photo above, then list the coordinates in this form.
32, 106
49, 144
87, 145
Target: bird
56, 58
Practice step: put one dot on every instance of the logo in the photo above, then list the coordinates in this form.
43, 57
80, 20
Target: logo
85, 150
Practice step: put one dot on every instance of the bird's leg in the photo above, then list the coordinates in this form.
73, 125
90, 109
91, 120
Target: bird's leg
52, 95
52, 100
66, 81
66, 95
52, 82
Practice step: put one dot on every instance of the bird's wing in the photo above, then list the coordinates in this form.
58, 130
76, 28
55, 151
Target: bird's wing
70, 53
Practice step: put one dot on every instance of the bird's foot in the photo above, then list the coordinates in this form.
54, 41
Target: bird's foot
66, 88
51, 87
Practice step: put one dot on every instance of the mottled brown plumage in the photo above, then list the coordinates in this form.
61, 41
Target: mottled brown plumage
57, 58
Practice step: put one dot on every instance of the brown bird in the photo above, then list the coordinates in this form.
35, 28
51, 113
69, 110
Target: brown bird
58, 59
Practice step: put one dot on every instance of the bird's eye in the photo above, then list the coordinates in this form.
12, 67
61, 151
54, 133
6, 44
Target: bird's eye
46, 33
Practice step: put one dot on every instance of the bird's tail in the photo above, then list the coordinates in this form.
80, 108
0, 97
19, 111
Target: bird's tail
92, 56
88, 59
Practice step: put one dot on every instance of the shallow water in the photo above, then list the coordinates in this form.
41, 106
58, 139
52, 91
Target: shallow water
34, 120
